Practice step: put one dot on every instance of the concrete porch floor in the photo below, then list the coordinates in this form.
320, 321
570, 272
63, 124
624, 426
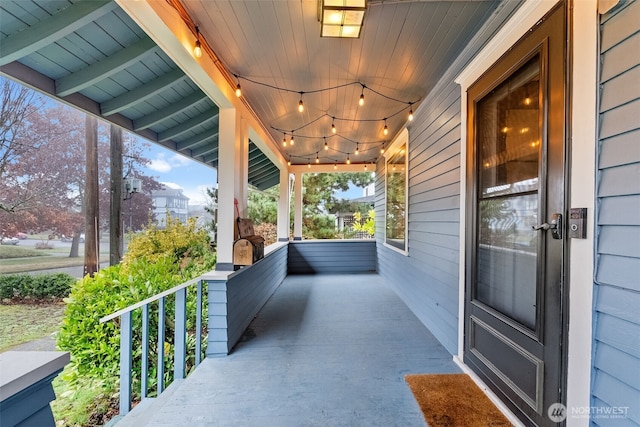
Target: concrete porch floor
326, 350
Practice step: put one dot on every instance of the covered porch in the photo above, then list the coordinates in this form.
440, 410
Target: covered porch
327, 349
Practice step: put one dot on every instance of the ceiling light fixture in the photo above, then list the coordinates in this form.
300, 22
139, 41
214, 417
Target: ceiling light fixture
197, 48
341, 18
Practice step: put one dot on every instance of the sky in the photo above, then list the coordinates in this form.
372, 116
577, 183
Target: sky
178, 172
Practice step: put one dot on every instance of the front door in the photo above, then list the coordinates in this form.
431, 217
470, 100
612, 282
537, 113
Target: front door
514, 324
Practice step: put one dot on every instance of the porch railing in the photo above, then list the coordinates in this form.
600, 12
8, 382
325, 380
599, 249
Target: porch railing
180, 339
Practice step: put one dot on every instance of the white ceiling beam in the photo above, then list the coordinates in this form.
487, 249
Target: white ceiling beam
329, 168
142, 93
52, 29
188, 125
170, 111
109, 66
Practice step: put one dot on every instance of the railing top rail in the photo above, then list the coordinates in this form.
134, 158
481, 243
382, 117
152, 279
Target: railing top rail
150, 299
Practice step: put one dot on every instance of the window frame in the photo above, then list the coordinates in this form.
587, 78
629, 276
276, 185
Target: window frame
401, 139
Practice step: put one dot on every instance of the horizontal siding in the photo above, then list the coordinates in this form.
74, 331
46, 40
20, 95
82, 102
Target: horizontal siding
329, 257
234, 302
616, 349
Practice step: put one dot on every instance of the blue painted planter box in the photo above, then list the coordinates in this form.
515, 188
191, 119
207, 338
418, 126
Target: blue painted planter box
25, 386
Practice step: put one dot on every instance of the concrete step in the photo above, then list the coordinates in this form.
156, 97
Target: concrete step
142, 413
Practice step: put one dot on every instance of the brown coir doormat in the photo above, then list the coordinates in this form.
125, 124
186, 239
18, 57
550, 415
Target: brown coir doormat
454, 400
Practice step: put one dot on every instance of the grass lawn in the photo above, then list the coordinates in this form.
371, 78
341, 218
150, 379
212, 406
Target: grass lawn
20, 323
8, 252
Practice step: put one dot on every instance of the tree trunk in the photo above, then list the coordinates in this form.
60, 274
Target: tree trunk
115, 215
91, 252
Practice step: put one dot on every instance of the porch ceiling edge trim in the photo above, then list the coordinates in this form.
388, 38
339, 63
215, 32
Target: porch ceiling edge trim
164, 25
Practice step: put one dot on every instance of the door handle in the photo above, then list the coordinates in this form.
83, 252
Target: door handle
555, 225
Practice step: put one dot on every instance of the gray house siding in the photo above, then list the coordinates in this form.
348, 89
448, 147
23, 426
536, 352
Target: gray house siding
428, 278
616, 348
331, 257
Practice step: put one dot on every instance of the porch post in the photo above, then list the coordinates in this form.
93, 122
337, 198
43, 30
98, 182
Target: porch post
232, 171
297, 207
283, 207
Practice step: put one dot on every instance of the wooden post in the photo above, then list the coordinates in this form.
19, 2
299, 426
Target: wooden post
91, 240
115, 214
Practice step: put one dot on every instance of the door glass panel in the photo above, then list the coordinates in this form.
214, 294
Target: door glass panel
508, 132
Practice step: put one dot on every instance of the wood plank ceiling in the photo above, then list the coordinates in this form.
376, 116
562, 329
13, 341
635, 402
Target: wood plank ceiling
89, 53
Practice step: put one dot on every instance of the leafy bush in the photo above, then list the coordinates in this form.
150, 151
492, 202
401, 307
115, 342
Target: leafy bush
157, 260
25, 286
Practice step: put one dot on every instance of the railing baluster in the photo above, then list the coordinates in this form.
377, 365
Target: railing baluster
160, 345
198, 322
145, 352
125, 363
180, 334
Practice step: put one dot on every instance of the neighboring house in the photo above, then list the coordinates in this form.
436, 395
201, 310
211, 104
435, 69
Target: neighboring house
172, 202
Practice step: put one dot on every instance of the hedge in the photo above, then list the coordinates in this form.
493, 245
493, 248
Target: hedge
42, 286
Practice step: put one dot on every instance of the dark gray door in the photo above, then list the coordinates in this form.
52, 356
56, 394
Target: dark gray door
516, 187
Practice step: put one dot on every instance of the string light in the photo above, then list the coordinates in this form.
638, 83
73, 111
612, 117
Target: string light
309, 164
326, 147
348, 160
333, 126
386, 129
197, 48
361, 100
382, 148
411, 111
301, 104
238, 90
357, 149
284, 140
317, 158
365, 167
291, 141
335, 166
289, 161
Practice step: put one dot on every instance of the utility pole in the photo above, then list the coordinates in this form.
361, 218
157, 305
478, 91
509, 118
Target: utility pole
115, 215
91, 241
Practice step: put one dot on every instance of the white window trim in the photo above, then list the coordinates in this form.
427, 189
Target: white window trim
399, 140
582, 164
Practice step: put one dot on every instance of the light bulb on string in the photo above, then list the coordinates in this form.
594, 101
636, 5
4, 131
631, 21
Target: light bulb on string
197, 48
348, 160
333, 126
289, 161
317, 158
361, 100
284, 140
382, 148
335, 166
357, 149
365, 167
238, 90
410, 112
301, 104
309, 163
326, 147
386, 129
291, 141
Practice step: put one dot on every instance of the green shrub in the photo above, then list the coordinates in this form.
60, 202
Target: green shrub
155, 265
25, 286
